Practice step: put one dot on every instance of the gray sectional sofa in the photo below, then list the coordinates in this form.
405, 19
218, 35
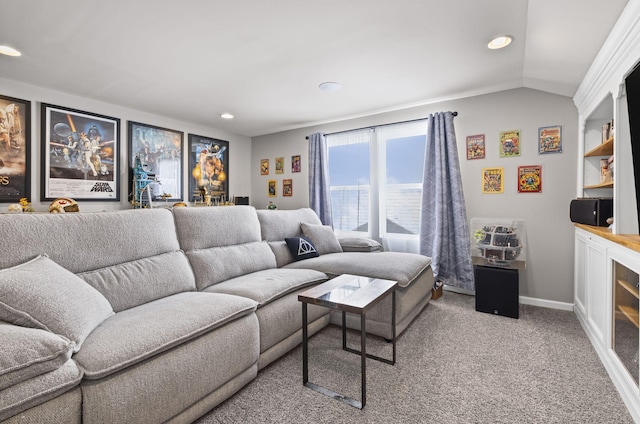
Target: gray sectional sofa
153, 315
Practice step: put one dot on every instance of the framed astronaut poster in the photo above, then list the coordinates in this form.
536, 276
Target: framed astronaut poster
80, 152
208, 169
160, 153
15, 148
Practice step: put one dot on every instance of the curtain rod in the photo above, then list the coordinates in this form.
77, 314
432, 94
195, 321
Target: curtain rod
382, 125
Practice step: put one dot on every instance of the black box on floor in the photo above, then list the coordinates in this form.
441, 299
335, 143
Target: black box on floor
497, 291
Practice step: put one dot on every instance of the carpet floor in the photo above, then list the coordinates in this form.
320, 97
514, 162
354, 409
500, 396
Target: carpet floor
454, 365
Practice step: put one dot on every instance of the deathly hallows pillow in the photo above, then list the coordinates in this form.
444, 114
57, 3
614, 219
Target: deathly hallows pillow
301, 248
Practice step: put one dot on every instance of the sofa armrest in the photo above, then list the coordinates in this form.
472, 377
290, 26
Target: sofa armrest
359, 244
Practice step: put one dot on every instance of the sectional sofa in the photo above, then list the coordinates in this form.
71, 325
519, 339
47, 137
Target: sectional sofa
159, 315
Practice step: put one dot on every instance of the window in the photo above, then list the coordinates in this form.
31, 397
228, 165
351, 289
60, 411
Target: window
376, 180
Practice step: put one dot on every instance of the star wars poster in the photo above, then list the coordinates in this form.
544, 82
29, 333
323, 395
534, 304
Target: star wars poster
79, 155
15, 147
209, 168
160, 153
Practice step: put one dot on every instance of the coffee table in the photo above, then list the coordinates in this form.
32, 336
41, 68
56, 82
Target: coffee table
357, 295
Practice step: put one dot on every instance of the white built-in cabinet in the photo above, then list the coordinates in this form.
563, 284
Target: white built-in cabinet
606, 304
607, 260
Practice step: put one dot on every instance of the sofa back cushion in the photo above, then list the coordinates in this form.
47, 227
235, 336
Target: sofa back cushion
276, 225
222, 242
120, 284
103, 242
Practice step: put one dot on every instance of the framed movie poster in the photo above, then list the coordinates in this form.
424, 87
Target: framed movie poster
272, 188
550, 139
509, 143
80, 152
160, 153
475, 146
530, 179
492, 180
287, 188
15, 149
208, 168
264, 166
295, 163
280, 165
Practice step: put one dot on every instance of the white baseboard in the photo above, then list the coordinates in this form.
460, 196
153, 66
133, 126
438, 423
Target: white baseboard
553, 304
522, 299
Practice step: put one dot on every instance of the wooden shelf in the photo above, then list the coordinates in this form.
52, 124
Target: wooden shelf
631, 288
630, 313
608, 184
605, 149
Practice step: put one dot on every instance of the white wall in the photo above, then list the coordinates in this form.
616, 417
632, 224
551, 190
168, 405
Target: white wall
549, 273
239, 146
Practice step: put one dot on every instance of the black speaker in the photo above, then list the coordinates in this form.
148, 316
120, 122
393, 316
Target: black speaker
591, 211
497, 291
241, 200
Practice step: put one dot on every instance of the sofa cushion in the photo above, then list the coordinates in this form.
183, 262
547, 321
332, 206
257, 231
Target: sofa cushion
268, 285
28, 352
131, 284
216, 264
276, 225
396, 266
133, 335
359, 244
322, 237
35, 391
282, 253
301, 248
202, 228
42, 294
86, 241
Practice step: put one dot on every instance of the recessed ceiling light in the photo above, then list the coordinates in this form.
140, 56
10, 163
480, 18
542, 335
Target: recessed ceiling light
500, 42
9, 51
226, 116
330, 86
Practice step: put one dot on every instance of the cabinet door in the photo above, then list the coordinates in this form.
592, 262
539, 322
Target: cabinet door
598, 292
580, 275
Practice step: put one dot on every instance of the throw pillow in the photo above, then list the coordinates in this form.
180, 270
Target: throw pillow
359, 244
322, 237
42, 294
301, 248
27, 352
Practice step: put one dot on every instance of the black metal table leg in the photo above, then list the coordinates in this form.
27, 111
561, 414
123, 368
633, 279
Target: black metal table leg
363, 359
305, 346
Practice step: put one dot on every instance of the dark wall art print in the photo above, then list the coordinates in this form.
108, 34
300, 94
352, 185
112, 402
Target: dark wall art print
208, 168
80, 152
15, 148
160, 153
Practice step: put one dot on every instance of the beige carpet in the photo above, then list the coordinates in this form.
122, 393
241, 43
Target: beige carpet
455, 365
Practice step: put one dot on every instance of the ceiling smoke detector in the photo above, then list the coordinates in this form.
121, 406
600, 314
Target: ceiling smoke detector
330, 86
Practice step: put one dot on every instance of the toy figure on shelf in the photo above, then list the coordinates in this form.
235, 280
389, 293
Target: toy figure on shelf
141, 190
271, 206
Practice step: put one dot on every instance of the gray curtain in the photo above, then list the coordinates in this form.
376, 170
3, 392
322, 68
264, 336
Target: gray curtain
444, 233
319, 194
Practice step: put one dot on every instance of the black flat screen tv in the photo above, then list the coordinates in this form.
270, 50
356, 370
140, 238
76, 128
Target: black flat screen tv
632, 83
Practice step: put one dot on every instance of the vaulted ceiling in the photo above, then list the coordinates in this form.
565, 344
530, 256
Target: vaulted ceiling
263, 60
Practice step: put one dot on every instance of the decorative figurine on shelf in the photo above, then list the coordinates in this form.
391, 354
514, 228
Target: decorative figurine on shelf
271, 206
26, 205
64, 204
14, 208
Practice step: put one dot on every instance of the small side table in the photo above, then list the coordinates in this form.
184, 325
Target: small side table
354, 294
